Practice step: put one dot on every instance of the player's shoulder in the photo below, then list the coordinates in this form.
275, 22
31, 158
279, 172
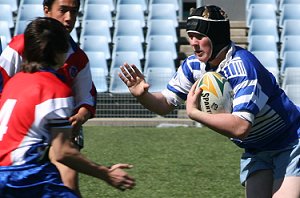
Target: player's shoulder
78, 54
17, 43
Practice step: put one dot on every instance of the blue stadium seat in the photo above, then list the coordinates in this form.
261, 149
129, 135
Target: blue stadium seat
120, 58
291, 77
285, 2
128, 43
13, 4
28, 12
96, 43
95, 28
98, 60
155, 29
22, 2
290, 28
5, 31
274, 3
290, 59
159, 59
143, 3
158, 78
7, 15
267, 58
110, 3
263, 43
130, 12
162, 43
290, 43
293, 92
98, 12
174, 2
289, 11
163, 12
74, 35
128, 28
263, 27
99, 79
260, 11
117, 86
20, 27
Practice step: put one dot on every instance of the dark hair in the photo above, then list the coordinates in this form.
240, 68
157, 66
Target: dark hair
49, 3
44, 38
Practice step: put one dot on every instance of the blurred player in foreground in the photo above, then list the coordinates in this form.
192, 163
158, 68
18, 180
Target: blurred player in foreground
264, 121
75, 69
35, 108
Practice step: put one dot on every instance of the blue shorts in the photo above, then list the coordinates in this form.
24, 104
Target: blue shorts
283, 162
29, 181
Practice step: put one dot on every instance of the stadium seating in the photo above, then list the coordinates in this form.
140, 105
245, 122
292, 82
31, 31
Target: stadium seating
158, 78
96, 43
28, 12
290, 28
120, 58
98, 60
5, 31
155, 29
143, 3
98, 12
293, 92
110, 3
13, 4
263, 43
162, 43
291, 76
290, 59
130, 12
7, 15
22, 2
174, 2
95, 28
285, 2
289, 11
99, 79
260, 11
20, 27
290, 43
128, 28
267, 58
249, 3
159, 59
117, 86
128, 43
163, 12
263, 27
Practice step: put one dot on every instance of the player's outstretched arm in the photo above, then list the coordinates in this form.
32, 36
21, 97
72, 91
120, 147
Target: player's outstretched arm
66, 153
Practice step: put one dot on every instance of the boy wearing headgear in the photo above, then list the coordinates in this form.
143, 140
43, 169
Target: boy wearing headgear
264, 122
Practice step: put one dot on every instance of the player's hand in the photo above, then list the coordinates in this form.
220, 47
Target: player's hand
119, 179
134, 79
78, 119
193, 100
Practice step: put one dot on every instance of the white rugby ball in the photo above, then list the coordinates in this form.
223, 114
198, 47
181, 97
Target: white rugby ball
217, 94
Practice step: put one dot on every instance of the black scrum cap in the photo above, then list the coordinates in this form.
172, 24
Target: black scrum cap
212, 22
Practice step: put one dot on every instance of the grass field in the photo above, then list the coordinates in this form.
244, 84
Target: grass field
168, 162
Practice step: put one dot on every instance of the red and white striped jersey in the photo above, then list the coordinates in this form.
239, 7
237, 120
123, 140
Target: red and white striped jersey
76, 71
31, 103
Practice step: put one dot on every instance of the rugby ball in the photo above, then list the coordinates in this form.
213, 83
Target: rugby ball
217, 93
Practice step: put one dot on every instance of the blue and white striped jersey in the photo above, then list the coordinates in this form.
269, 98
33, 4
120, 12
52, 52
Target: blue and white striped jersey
257, 98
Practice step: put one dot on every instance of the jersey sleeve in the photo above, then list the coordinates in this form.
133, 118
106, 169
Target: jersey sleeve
249, 97
84, 90
10, 60
179, 86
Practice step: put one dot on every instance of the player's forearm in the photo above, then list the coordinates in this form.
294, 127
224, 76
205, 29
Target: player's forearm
155, 102
78, 162
224, 123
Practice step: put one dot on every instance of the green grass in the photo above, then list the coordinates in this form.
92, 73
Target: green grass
168, 162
